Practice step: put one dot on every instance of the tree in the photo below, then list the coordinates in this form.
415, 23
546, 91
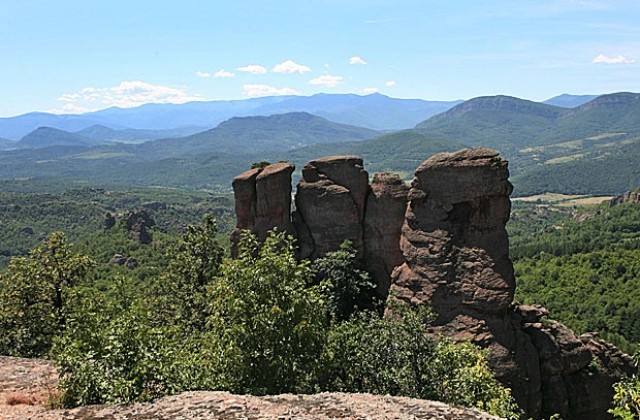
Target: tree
266, 324
348, 287
179, 294
34, 296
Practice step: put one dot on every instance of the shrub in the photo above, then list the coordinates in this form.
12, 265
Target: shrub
266, 328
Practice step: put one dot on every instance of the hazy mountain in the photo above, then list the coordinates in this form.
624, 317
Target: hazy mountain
511, 124
587, 149
15, 128
47, 137
4, 143
275, 133
569, 101
372, 111
501, 122
130, 135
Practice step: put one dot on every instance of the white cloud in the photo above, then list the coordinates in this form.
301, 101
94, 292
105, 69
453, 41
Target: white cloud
327, 80
390, 83
369, 90
126, 95
266, 90
357, 60
69, 109
619, 59
222, 73
290, 66
203, 74
253, 69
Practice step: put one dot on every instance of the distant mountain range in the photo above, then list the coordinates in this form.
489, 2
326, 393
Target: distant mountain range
590, 148
569, 101
373, 111
43, 137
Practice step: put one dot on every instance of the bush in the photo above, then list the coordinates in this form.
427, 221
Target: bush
34, 296
347, 286
398, 357
626, 399
267, 326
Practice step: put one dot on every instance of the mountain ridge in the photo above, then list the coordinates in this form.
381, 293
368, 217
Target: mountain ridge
374, 111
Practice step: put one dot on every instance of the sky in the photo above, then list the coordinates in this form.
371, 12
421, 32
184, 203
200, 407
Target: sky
74, 56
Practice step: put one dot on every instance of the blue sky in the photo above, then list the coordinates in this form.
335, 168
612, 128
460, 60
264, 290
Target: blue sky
74, 56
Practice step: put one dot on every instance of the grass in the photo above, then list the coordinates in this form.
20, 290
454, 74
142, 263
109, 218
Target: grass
564, 200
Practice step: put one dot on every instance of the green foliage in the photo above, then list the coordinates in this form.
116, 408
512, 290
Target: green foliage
585, 273
261, 164
258, 324
348, 286
626, 399
266, 325
109, 353
179, 294
34, 296
396, 356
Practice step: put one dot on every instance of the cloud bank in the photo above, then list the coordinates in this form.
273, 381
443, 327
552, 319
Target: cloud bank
253, 69
125, 95
618, 59
327, 80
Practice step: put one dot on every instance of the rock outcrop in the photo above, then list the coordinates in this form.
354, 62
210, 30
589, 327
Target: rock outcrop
625, 197
137, 223
263, 200
456, 253
383, 222
330, 205
442, 243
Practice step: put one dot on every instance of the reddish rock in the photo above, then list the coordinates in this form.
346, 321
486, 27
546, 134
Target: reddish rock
383, 221
273, 199
330, 205
263, 201
454, 238
456, 261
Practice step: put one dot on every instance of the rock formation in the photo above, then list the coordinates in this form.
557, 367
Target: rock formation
330, 205
383, 221
263, 200
137, 223
456, 253
441, 243
625, 197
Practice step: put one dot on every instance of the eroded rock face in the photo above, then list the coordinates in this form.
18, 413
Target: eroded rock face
330, 205
263, 201
137, 223
454, 237
383, 222
456, 248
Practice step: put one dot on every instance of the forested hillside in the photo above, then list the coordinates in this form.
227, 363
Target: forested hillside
585, 272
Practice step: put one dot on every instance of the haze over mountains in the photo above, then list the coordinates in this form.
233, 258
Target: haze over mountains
571, 148
374, 111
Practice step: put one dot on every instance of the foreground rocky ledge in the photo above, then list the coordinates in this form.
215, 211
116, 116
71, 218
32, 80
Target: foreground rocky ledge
25, 385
